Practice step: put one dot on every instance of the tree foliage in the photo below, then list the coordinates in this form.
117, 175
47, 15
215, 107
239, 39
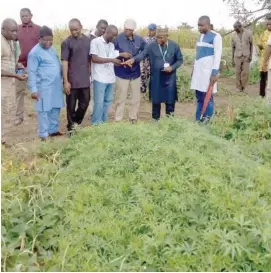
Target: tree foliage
241, 11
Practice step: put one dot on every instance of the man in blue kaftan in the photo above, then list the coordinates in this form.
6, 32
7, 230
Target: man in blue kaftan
45, 84
165, 58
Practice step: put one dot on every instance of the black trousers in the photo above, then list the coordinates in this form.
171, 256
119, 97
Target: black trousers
82, 95
263, 82
156, 110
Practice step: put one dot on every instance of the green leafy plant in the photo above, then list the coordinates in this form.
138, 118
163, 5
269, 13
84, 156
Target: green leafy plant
254, 74
166, 196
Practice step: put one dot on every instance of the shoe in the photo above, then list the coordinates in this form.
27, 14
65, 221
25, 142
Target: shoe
71, 133
19, 121
44, 139
133, 121
56, 134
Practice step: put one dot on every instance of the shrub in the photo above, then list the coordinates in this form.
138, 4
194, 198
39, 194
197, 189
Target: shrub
254, 74
249, 126
183, 86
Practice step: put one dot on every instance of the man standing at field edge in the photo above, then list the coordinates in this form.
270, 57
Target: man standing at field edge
8, 76
242, 50
206, 66
76, 70
28, 37
128, 78
98, 32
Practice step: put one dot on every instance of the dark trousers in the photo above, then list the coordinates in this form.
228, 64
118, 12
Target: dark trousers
156, 110
263, 81
82, 95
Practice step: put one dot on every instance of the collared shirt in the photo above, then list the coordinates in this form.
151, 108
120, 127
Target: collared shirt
76, 52
242, 43
28, 36
263, 43
92, 35
103, 73
149, 39
134, 47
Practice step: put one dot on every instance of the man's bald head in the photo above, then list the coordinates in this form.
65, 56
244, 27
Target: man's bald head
204, 24
9, 29
237, 27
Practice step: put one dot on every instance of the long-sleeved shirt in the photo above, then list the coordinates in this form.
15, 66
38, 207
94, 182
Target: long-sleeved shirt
207, 63
28, 36
163, 87
134, 47
242, 44
17, 51
45, 77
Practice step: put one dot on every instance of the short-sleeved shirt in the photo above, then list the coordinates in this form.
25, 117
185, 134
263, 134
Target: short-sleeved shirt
76, 52
242, 43
103, 73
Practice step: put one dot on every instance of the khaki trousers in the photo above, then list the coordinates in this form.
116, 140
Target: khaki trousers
8, 106
242, 72
122, 89
21, 87
268, 89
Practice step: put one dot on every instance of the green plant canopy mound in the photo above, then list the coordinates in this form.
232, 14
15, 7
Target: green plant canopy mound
165, 196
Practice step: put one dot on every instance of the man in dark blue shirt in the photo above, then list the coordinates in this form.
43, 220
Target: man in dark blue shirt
128, 78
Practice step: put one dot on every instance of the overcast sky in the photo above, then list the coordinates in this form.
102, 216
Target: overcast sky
56, 13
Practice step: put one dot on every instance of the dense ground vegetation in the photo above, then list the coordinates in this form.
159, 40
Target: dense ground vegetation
166, 196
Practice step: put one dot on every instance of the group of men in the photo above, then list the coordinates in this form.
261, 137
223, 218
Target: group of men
242, 51
100, 61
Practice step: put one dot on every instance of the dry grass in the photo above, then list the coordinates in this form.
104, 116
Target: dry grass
185, 38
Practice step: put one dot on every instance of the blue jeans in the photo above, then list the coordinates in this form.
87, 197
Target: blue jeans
48, 122
210, 107
102, 98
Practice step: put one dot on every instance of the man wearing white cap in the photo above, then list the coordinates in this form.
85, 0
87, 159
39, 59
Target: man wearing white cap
128, 79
